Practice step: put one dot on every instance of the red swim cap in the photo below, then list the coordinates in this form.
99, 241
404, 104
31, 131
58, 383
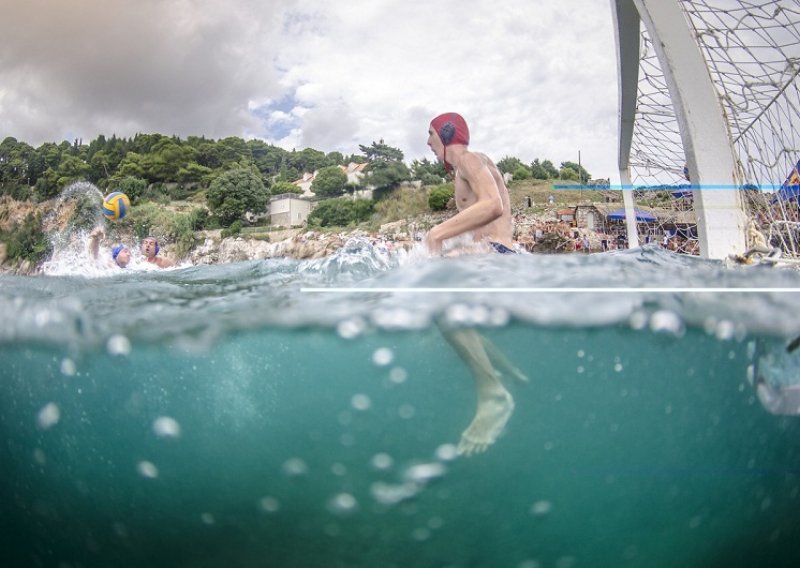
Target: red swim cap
451, 128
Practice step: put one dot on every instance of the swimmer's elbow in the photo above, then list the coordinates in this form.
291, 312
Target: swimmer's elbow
495, 210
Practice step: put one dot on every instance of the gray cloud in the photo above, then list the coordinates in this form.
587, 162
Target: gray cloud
95, 66
534, 78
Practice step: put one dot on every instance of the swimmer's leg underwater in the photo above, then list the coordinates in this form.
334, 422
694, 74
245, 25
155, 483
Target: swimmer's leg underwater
494, 403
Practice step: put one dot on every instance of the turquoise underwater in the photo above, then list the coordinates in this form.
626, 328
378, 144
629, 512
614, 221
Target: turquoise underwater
237, 415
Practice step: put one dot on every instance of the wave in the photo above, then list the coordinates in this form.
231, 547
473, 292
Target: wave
364, 287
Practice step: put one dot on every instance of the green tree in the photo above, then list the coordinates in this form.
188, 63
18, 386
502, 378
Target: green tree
280, 187
429, 173
550, 169
193, 173
521, 173
386, 170
381, 152
538, 171
71, 169
580, 172
330, 182
439, 197
509, 164
27, 241
131, 186
235, 192
568, 174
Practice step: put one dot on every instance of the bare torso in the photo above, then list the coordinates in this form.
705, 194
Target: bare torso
500, 230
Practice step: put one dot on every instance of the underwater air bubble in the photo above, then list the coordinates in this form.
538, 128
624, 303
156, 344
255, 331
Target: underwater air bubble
389, 494
207, 518
269, 504
446, 452
118, 345
382, 356
424, 472
399, 318
166, 427
48, 416
665, 321
360, 402
421, 533
541, 508
39, 456
294, 467
406, 412
68, 367
638, 320
342, 504
147, 469
351, 328
382, 461
725, 330
339, 469
398, 375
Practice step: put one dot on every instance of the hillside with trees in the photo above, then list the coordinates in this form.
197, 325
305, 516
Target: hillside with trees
218, 181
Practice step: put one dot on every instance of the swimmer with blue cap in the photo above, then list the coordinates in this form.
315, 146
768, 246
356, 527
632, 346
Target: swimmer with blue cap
121, 255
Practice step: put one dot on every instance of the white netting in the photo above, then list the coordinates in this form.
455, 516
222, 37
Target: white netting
752, 50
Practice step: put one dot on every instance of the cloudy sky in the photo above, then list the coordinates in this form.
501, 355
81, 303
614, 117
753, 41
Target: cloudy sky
533, 78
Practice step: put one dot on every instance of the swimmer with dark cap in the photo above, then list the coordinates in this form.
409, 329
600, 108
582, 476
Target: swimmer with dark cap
150, 250
484, 211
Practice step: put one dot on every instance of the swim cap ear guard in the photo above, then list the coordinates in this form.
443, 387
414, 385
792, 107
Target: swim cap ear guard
446, 132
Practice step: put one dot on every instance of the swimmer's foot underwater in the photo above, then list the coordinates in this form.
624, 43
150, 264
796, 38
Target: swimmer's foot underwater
495, 403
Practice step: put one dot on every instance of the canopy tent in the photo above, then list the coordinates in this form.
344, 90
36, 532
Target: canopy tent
641, 216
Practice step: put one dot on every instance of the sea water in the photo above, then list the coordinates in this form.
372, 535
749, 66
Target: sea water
307, 413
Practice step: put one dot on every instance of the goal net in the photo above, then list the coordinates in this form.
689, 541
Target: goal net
752, 52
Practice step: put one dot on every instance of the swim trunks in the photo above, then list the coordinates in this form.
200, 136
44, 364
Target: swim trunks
501, 248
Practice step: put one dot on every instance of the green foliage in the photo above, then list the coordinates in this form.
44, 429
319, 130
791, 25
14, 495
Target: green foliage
381, 152
539, 171
569, 174
166, 225
280, 187
439, 196
131, 186
522, 173
233, 230
27, 240
509, 164
580, 172
198, 218
330, 182
234, 193
402, 204
429, 173
341, 212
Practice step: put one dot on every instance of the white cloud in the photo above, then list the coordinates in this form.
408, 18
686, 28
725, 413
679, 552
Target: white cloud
534, 78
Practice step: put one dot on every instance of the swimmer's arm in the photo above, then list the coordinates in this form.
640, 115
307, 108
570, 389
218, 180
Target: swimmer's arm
164, 262
94, 242
486, 208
